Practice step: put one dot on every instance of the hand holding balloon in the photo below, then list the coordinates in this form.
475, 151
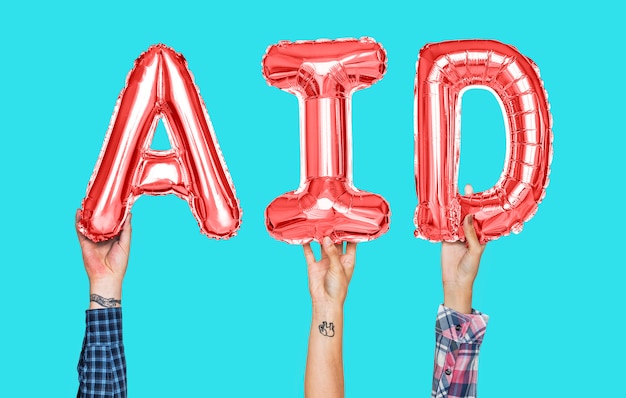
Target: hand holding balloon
329, 277
106, 262
459, 266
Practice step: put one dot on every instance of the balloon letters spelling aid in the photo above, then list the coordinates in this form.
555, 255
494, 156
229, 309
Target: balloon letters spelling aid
323, 75
160, 86
444, 71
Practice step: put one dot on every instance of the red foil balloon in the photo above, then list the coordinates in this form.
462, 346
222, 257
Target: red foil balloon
160, 86
444, 71
323, 75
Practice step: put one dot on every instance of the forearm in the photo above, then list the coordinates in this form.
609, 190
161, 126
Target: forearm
324, 366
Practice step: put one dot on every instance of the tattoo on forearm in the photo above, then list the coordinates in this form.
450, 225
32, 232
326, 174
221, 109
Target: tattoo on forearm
327, 329
105, 302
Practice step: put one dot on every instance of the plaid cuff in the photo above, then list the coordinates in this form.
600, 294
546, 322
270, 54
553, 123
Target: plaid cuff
458, 340
462, 328
104, 326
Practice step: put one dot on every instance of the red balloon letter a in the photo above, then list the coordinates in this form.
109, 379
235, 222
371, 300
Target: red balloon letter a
160, 86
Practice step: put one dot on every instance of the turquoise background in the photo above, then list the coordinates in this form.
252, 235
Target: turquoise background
231, 318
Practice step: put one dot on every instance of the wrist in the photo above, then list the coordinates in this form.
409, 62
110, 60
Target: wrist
458, 299
326, 310
105, 294
98, 302
327, 324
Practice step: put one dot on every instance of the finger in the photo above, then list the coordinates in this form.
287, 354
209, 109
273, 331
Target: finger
333, 255
323, 253
126, 233
348, 265
77, 216
351, 249
309, 256
469, 189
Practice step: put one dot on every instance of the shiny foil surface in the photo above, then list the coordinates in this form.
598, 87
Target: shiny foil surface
444, 71
160, 86
323, 75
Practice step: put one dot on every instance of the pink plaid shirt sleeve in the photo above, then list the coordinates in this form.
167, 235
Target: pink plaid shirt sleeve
456, 353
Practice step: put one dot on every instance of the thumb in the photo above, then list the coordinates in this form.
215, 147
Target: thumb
81, 238
126, 233
471, 237
470, 231
473, 243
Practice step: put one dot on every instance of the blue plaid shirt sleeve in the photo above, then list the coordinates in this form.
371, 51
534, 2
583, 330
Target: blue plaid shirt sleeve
458, 340
102, 365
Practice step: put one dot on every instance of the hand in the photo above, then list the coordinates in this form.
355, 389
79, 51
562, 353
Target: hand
459, 266
106, 262
329, 277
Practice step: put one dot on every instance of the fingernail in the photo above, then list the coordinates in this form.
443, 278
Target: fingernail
327, 241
